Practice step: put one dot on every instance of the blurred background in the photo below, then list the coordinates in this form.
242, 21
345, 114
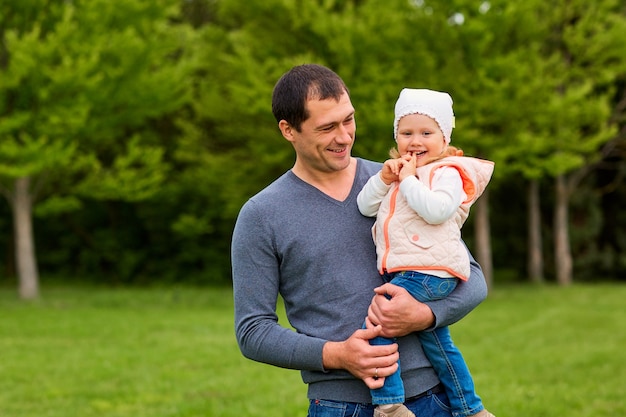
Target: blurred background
132, 131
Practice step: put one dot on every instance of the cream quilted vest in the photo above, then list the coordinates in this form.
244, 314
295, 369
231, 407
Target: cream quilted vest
405, 241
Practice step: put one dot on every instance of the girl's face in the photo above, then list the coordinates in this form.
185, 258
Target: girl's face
421, 136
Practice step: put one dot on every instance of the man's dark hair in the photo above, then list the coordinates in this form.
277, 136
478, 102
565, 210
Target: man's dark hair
299, 84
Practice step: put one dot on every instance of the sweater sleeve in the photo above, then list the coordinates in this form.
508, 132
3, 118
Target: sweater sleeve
372, 195
255, 273
466, 296
441, 201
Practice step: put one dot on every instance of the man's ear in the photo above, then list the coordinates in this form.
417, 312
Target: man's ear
286, 130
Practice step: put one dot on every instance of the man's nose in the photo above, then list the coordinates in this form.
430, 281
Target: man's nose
344, 134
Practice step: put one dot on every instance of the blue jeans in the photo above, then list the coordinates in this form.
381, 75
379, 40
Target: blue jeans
438, 347
430, 405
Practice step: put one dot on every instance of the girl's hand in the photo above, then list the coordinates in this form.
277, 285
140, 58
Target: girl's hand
409, 166
390, 171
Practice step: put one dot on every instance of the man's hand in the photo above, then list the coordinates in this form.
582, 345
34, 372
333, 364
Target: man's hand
400, 315
361, 359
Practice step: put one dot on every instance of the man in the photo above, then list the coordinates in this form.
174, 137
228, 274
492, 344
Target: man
304, 239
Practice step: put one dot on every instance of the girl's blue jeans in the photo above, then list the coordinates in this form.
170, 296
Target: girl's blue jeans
445, 357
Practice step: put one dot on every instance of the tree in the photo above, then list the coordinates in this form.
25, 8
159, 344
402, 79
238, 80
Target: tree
78, 82
587, 43
539, 77
572, 58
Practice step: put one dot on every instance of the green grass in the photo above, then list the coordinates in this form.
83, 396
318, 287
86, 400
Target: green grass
540, 351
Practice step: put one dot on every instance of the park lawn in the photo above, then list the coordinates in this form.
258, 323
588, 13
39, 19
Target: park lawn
80, 352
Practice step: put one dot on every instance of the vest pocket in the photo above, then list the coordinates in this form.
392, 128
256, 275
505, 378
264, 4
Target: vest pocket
417, 233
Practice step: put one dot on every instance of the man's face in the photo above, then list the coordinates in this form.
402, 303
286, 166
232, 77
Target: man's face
325, 140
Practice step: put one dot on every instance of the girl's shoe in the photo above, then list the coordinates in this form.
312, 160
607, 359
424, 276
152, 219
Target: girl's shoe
398, 410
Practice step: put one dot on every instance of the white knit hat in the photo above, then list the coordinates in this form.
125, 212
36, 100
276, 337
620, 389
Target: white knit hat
435, 104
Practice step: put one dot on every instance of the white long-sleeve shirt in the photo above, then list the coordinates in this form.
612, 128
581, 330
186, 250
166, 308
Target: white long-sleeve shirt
435, 205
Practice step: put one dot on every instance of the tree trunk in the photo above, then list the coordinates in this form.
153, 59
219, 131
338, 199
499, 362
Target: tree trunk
562, 252
535, 246
27, 273
482, 231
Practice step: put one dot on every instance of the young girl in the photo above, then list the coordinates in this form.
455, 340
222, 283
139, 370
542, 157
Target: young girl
421, 198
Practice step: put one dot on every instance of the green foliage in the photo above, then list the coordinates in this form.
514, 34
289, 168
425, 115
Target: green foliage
56, 205
564, 81
84, 89
79, 79
145, 125
135, 174
23, 155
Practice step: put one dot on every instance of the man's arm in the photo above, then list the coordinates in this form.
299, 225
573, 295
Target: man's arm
466, 296
403, 314
255, 274
263, 339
